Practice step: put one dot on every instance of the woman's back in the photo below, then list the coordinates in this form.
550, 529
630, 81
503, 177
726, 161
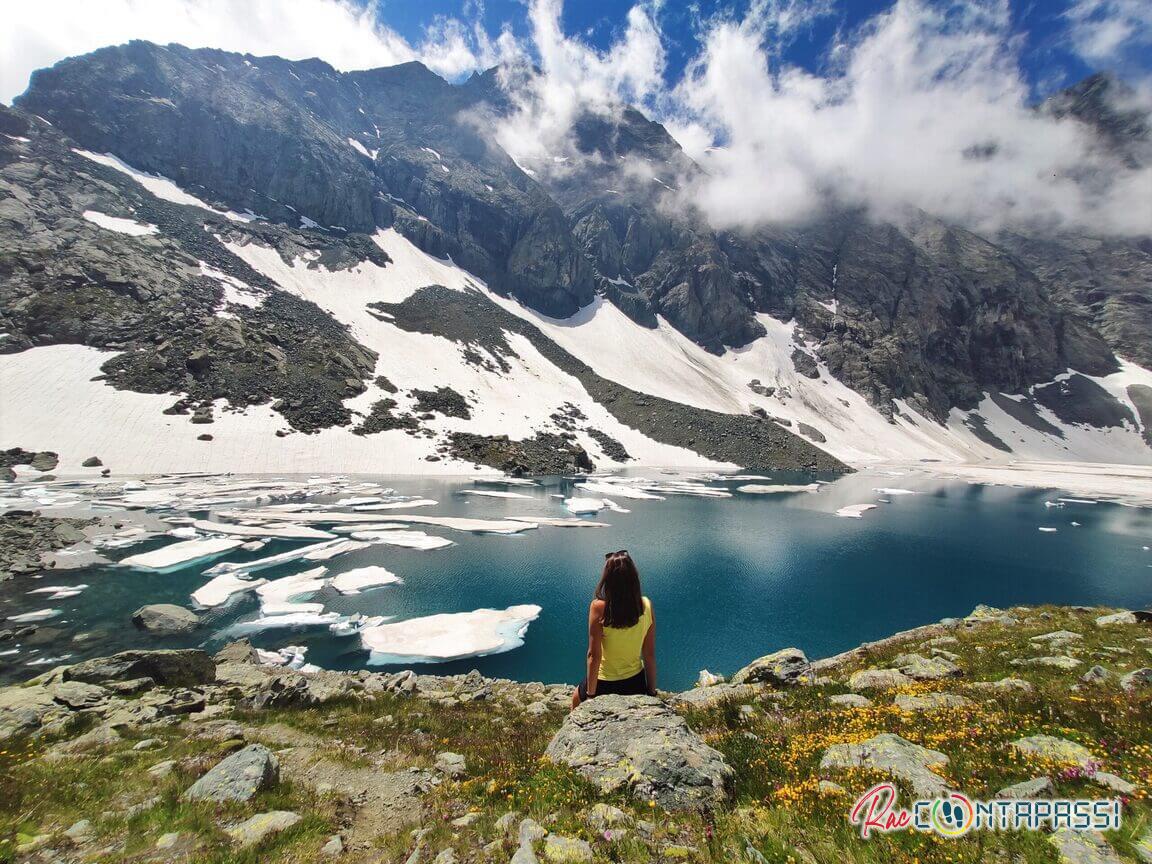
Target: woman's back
622, 647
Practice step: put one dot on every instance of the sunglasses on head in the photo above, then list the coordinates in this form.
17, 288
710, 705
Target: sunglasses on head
623, 553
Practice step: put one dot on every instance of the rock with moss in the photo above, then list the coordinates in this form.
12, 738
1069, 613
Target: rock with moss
783, 668
639, 745
239, 777
891, 754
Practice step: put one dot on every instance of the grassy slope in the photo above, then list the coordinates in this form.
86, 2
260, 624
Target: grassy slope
779, 810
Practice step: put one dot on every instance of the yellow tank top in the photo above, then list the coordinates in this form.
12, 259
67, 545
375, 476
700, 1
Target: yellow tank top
620, 649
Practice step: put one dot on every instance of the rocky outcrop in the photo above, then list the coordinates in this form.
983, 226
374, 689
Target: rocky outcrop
638, 744
165, 619
174, 668
893, 755
239, 777
780, 669
27, 538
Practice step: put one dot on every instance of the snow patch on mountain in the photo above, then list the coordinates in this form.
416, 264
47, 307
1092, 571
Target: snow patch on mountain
120, 225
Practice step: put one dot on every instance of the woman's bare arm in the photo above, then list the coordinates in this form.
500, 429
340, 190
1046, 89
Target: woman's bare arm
595, 644
648, 651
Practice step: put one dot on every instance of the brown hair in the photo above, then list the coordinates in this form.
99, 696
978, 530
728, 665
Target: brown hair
619, 588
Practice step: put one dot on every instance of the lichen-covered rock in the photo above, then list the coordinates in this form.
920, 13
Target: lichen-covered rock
923, 668
709, 697
238, 777
850, 700
638, 743
781, 668
1037, 787
566, 850
1140, 679
262, 826
1054, 749
931, 701
893, 755
1083, 847
878, 679
175, 668
1125, 617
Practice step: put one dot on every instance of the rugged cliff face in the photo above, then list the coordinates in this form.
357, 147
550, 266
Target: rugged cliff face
301, 143
922, 314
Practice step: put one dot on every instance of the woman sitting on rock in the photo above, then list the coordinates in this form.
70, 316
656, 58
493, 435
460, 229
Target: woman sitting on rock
621, 634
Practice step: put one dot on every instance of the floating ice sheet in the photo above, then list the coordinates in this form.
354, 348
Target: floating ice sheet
270, 531
855, 511
777, 488
449, 636
361, 578
179, 555
38, 615
218, 591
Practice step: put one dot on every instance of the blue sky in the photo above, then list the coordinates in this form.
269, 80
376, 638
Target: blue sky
1047, 56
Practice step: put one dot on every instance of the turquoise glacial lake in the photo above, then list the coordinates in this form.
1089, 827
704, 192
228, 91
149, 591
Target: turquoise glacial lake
730, 578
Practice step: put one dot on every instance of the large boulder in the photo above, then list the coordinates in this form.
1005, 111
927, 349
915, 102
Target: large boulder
174, 668
1049, 748
640, 744
710, 697
893, 755
781, 668
239, 777
165, 619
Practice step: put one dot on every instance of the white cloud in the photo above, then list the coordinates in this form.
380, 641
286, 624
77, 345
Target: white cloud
1116, 34
345, 34
924, 106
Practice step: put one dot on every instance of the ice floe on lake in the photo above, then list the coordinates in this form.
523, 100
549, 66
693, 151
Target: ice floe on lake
361, 578
219, 590
777, 488
855, 511
449, 636
177, 556
38, 615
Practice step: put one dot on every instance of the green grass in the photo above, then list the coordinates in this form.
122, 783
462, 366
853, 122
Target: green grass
779, 811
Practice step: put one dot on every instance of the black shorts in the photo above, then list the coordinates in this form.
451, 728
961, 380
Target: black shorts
637, 685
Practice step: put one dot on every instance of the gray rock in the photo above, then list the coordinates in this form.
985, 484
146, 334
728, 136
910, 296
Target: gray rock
505, 823
1049, 747
168, 841
878, 679
892, 755
238, 777
165, 619
78, 695
451, 765
990, 615
333, 847
640, 744
1063, 663
1113, 782
174, 668
931, 702
780, 669
566, 850
1037, 787
1140, 679
603, 816
80, 831
530, 831
923, 668
262, 826
446, 856
1126, 617
162, 769
1096, 675
710, 697
1083, 847
1059, 637
1004, 685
